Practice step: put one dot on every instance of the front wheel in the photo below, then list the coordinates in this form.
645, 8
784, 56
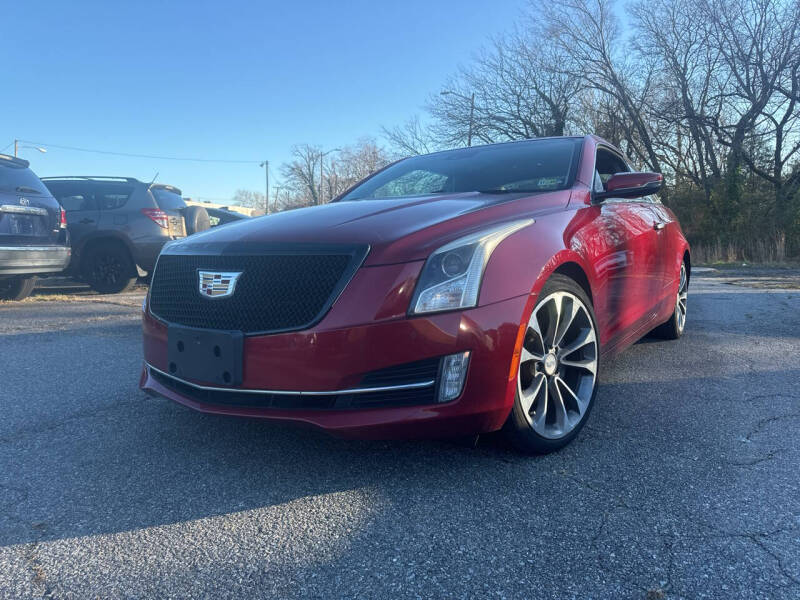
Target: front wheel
558, 367
16, 288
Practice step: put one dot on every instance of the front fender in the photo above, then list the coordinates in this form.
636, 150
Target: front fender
524, 261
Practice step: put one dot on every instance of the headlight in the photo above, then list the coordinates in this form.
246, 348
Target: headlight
451, 277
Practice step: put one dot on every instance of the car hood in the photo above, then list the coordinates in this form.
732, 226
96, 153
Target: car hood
397, 229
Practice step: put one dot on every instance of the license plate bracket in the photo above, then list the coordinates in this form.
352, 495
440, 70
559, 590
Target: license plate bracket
207, 355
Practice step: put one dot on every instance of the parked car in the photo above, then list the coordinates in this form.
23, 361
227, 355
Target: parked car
223, 216
449, 294
120, 223
33, 230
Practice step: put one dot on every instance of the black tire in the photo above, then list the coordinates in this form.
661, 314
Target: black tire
16, 288
108, 268
672, 328
518, 427
196, 219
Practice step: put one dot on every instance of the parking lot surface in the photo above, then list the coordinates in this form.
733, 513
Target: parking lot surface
684, 483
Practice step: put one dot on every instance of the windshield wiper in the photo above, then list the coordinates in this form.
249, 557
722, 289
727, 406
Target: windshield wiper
24, 189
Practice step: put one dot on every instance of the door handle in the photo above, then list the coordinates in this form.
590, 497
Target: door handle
86, 221
659, 225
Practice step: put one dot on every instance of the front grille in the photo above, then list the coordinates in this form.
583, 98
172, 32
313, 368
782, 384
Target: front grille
275, 291
376, 399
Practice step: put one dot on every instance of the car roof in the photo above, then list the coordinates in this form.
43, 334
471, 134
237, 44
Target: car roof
96, 178
13, 161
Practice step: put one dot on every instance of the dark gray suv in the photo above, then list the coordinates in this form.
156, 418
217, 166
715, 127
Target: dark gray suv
120, 223
33, 234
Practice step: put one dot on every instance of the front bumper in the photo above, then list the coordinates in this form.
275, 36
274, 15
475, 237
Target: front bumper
333, 357
30, 260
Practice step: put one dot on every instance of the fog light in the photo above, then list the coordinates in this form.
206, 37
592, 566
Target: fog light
454, 370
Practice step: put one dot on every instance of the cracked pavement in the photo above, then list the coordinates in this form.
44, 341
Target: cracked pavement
683, 484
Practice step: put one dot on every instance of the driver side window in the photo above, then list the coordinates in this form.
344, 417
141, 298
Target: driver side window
607, 164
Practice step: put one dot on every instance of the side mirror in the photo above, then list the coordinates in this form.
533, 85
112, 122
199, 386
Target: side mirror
631, 185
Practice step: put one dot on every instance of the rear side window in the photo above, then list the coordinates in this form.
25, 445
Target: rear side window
76, 202
111, 197
72, 196
168, 199
19, 179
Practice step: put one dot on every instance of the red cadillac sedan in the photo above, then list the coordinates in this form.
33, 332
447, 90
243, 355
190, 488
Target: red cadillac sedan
449, 294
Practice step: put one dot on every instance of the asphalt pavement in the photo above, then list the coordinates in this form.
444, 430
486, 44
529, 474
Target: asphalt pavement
684, 483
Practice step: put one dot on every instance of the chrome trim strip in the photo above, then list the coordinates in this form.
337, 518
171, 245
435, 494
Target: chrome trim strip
386, 388
23, 210
33, 248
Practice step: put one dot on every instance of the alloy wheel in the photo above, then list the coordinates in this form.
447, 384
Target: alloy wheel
108, 269
683, 296
558, 365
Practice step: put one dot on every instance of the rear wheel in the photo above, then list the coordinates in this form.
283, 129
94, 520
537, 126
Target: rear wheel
673, 328
557, 374
108, 268
16, 288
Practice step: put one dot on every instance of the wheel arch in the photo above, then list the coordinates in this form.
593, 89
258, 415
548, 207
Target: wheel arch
688, 260
575, 272
105, 238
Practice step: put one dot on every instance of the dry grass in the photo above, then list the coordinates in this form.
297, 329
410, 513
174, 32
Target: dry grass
765, 251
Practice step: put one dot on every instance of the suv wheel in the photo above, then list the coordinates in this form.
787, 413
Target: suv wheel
108, 268
16, 288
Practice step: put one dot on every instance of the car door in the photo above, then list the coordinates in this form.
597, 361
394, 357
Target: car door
633, 291
78, 201
666, 246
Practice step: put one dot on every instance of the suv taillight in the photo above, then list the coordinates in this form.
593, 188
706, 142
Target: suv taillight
62, 219
159, 216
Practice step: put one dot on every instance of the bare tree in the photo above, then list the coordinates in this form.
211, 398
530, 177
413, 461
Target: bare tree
300, 175
309, 180
520, 91
249, 199
686, 100
759, 44
410, 138
587, 31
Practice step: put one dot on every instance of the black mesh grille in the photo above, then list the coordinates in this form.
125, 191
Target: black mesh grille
275, 292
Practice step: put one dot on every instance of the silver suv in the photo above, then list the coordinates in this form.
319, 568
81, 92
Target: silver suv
118, 226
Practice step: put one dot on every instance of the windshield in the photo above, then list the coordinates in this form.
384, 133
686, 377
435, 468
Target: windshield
529, 166
167, 199
18, 179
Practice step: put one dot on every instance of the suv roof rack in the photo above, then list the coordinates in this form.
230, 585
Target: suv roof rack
17, 162
94, 178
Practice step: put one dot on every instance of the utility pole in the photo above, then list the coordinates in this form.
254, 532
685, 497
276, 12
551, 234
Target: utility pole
471, 116
17, 147
265, 164
277, 189
471, 110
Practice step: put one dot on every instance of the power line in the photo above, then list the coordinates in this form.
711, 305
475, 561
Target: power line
132, 155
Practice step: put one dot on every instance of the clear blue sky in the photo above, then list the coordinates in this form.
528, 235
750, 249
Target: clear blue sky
236, 80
